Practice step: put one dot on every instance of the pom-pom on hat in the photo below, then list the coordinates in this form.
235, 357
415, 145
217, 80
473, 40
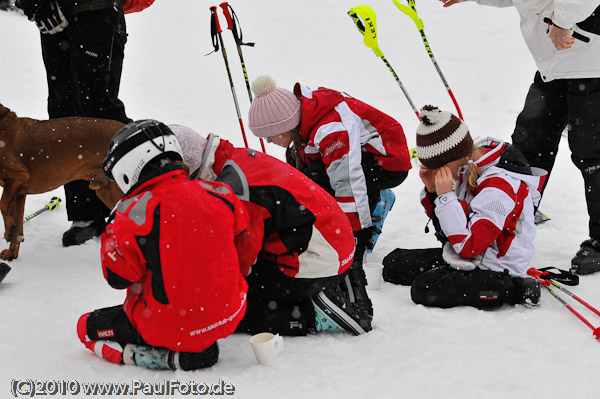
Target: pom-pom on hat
192, 145
274, 110
441, 138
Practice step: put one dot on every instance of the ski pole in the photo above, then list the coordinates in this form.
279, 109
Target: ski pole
233, 27
535, 272
368, 16
546, 284
215, 29
54, 202
412, 13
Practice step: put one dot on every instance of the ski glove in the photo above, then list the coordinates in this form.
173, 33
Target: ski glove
50, 18
29, 7
456, 262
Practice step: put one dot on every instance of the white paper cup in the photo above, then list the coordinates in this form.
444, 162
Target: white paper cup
266, 347
373, 271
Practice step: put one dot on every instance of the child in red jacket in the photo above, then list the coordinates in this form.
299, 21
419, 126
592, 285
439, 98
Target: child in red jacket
300, 240
354, 151
170, 243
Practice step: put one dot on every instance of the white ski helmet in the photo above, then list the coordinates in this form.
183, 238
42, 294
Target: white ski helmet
134, 146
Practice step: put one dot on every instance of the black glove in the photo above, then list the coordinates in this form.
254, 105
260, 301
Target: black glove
50, 18
362, 240
29, 7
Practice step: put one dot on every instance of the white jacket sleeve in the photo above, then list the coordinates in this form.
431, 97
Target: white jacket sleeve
495, 3
569, 12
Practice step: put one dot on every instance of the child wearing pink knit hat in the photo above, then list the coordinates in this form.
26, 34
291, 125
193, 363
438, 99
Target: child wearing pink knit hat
354, 151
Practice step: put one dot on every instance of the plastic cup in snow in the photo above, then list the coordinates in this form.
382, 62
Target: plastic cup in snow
266, 347
373, 271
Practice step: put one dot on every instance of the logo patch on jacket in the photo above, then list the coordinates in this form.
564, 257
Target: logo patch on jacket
106, 333
331, 148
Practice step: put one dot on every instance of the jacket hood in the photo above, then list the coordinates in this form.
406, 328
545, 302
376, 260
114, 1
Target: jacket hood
315, 108
512, 161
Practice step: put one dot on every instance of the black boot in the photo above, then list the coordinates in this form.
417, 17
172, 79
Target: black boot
587, 259
78, 235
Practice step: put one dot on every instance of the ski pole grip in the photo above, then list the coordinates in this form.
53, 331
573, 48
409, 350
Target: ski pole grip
213, 10
227, 14
535, 273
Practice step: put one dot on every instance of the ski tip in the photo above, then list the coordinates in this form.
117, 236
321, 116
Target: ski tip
4, 269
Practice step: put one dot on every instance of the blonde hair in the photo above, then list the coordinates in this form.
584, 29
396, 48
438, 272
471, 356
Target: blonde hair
473, 172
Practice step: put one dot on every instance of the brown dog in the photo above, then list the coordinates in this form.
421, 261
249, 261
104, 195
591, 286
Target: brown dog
40, 156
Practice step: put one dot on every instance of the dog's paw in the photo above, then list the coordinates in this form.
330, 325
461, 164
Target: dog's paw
7, 254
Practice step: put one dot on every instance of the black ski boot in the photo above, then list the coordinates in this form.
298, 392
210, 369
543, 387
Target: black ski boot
77, 235
587, 259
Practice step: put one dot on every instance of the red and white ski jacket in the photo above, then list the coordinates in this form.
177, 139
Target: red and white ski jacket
171, 244
336, 129
294, 223
498, 222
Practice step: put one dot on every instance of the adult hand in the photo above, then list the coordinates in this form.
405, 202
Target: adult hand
428, 177
443, 180
448, 3
561, 38
50, 18
29, 7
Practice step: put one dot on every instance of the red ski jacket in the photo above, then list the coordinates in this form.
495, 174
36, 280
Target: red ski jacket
171, 244
293, 222
336, 129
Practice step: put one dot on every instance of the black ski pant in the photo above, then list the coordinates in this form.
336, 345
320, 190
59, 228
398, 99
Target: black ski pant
281, 304
115, 320
83, 67
376, 179
434, 283
549, 108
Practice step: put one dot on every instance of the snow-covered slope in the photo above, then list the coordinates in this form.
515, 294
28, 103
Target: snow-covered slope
413, 352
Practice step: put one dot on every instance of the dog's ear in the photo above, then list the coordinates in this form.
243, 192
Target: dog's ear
4, 111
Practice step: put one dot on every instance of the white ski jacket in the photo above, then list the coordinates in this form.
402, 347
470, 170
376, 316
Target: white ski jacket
580, 61
496, 226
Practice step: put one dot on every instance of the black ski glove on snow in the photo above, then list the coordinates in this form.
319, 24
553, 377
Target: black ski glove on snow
50, 18
29, 7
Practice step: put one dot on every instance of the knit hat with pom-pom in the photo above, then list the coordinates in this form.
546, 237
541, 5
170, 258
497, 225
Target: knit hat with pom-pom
192, 145
274, 110
441, 138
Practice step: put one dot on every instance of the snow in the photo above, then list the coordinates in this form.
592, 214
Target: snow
413, 351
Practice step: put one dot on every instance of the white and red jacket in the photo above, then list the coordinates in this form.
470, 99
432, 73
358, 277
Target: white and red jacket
294, 223
498, 222
336, 129
171, 244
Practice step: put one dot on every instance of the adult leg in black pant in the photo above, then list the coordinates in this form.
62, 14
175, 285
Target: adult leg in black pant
83, 66
540, 124
584, 142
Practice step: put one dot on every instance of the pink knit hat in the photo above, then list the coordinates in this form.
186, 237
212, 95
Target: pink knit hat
274, 110
192, 145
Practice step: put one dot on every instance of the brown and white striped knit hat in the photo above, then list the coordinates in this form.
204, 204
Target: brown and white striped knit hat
441, 138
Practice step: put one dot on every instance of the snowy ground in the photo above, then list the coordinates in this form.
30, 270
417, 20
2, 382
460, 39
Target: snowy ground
413, 352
